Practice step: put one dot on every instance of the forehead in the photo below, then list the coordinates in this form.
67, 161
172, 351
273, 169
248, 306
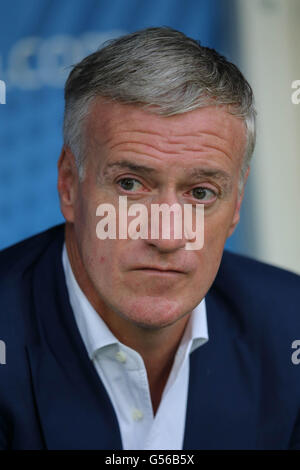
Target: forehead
112, 123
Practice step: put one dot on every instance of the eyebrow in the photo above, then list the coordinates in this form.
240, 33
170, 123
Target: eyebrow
211, 173
128, 165
216, 174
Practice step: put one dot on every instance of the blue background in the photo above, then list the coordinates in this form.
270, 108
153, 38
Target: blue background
39, 41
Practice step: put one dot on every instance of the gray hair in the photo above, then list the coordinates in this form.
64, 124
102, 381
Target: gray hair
161, 69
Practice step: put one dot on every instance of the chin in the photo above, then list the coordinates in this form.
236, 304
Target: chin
153, 314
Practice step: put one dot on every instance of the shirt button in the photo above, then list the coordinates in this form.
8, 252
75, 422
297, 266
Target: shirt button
137, 415
121, 356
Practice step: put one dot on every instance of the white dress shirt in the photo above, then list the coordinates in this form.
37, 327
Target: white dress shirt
123, 373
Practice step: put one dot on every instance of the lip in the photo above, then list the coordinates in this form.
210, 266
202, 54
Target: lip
158, 270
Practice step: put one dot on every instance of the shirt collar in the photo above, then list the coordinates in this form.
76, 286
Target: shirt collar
96, 334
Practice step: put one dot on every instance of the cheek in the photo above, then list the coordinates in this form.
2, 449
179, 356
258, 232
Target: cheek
101, 259
216, 228
99, 252
216, 225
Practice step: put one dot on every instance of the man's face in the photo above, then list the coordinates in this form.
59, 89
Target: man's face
153, 160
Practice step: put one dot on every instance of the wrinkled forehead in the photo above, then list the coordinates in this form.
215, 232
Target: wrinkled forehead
109, 122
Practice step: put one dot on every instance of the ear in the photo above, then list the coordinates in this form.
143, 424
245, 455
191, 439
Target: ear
67, 183
236, 216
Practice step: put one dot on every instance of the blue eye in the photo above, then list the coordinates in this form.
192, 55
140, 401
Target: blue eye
203, 194
128, 184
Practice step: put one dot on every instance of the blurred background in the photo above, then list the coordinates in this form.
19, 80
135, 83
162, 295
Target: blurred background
41, 39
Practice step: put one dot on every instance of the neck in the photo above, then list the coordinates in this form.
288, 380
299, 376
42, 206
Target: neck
157, 346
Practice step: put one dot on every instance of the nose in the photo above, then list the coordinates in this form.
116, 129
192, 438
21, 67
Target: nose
166, 229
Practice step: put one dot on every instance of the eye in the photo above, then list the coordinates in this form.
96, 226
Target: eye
130, 184
203, 194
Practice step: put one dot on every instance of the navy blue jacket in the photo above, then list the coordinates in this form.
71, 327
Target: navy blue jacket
244, 390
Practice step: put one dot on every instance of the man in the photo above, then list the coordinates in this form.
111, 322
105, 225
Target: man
137, 342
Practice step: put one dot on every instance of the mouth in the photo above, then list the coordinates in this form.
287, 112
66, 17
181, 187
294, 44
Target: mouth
159, 271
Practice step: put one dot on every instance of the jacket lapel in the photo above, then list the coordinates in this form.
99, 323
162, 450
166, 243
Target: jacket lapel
222, 408
74, 409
